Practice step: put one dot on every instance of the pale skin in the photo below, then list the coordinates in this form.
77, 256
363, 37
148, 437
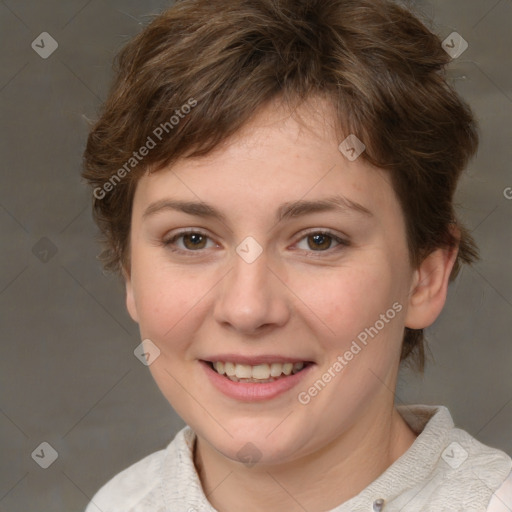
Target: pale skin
301, 297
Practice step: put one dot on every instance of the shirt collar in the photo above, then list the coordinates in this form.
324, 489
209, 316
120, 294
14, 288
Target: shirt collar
182, 490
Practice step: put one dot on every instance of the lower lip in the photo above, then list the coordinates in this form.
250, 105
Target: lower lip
253, 391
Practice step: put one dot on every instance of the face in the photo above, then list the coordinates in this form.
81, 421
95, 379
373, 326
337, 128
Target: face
303, 265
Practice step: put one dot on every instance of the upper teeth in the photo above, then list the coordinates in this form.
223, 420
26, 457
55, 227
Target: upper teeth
259, 371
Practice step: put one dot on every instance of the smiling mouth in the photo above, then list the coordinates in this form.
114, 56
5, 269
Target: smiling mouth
260, 373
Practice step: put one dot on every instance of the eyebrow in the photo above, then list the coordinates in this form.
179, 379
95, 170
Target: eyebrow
285, 211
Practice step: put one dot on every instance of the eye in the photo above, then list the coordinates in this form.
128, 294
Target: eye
321, 241
193, 241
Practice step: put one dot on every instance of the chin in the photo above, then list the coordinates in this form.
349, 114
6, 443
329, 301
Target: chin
253, 442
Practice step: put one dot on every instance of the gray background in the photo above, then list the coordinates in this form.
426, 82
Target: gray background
68, 375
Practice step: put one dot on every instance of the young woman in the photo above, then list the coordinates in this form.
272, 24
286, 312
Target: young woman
275, 181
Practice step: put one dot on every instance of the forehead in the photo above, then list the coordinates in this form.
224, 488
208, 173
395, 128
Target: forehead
277, 157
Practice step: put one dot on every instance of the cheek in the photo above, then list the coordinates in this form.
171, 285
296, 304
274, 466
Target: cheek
346, 300
168, 301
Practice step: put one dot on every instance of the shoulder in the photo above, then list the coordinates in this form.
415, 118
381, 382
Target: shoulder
472, 472
130, 487
501, 500
138, 488
459, 472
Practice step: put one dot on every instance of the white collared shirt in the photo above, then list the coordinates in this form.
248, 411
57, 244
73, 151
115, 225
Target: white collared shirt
444, 470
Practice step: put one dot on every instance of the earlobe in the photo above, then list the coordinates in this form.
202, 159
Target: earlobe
430, 287
130, 297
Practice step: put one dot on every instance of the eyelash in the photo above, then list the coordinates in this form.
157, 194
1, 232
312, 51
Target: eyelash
342, 243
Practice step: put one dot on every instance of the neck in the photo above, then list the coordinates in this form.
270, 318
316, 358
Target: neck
317, 482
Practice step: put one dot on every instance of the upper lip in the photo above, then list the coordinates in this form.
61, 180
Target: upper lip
255, 360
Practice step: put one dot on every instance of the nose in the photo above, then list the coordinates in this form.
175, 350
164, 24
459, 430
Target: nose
252, 297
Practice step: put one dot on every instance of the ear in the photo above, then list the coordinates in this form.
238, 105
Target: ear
130, 296
429, 288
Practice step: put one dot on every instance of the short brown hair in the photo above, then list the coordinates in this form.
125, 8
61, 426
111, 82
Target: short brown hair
378, 64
